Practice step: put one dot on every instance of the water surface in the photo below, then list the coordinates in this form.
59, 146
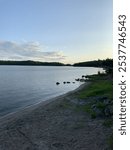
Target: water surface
22, 86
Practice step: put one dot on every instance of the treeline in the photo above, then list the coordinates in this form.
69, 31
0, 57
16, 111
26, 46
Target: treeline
107, 63
30, 63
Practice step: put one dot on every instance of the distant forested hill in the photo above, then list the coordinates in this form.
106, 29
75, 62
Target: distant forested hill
30, 63
107, 63
96, 63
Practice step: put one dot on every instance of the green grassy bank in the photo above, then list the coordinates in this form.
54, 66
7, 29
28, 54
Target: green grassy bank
99, 100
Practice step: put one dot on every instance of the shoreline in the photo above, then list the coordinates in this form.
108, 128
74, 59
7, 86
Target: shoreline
27, 109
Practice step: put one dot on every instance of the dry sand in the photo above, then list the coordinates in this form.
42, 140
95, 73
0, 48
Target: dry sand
53, 125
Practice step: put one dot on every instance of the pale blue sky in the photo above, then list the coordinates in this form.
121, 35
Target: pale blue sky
56, 30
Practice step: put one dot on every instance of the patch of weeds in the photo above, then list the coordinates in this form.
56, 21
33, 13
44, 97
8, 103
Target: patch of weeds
78, 125
108, 123
87, 108
93, 115
100, 105
110, 142
98, 88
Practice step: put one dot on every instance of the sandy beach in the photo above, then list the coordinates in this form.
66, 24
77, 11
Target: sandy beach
55, 124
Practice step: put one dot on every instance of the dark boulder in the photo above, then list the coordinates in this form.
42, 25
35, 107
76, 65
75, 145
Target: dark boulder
57, 83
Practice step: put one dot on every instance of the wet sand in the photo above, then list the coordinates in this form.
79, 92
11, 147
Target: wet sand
55, 124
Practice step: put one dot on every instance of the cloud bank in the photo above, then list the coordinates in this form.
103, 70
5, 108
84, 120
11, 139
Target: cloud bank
28, 51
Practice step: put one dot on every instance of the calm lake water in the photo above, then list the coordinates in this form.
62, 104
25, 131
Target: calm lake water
22, 86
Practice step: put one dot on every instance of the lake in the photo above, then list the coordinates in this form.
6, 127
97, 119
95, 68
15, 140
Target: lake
23, 86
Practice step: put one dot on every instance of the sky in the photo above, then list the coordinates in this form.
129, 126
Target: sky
67, 31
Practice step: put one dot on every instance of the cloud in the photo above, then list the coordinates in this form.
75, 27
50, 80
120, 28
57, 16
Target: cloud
28, 51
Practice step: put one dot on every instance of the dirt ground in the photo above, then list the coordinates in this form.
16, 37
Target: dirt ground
56, 125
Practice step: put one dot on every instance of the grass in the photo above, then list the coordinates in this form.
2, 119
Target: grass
98, 88
108, 123
87, 108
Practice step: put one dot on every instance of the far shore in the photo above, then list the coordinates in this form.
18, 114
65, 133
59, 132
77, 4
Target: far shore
55, 124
